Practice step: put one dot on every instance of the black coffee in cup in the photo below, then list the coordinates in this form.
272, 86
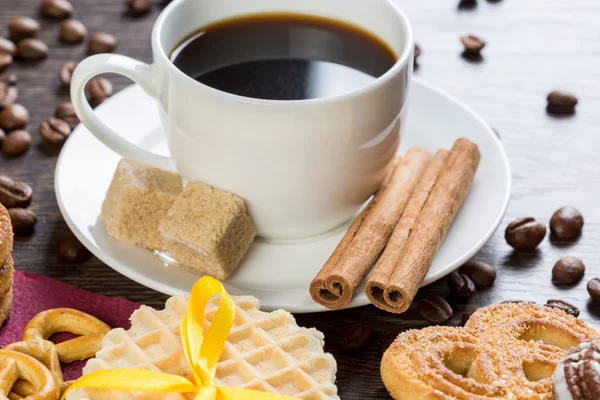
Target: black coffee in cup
283, 56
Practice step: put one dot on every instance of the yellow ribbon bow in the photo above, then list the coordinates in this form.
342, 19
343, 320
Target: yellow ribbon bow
202, 350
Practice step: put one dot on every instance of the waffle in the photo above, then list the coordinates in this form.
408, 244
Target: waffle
264, 351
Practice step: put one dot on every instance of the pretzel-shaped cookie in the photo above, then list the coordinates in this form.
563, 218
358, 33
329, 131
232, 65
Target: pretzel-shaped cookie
35, 345
15, 365
504, 351
91, 329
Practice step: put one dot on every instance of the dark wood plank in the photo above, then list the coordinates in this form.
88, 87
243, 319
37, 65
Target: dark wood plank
533, 48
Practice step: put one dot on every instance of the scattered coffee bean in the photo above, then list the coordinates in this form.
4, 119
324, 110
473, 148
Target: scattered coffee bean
22, 219
7, 46
563, 305
96, 101
593, 288
5, 60
70, 250
100, 88
16, 143
566, 223
435, 310
525, 234
460, 285
417, 53
568, 271
57, 9
101, 43
55, 131
8, 95
9, 79
355, 337
386, 340
473, 44
560, 102
14, 194
14, 116
66, 73
72, 31
66, 112
467, 4
139, 7
23, 28
466, 315
32, 49
482, 274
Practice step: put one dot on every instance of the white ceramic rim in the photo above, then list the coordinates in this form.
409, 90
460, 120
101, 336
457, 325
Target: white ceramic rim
401, 63
315, 307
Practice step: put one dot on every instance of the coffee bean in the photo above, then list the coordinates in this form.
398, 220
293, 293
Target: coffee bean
57, 9
73, 31
593, 288
525, 234
138, 7
568, 271
16, 143
66, 112
460, 285
417, 53
22, 219
8, 95
435, 310
55, 131
14, 116
22, 28
100, 88
14, 194
566, 223
482, 274
9, 79
5, 61
96, 101
32, 49
473, 44
355, 337
70, 250
66, 73
7, 46
386, 340
563, 305
101, 43
466, 315
560, 102
467, 4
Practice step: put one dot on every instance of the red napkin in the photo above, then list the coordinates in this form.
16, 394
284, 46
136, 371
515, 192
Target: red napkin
35, 293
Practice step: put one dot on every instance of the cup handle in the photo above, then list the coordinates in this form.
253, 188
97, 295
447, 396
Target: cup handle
137, 71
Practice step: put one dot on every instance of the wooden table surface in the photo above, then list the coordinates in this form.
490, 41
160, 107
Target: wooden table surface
534, 46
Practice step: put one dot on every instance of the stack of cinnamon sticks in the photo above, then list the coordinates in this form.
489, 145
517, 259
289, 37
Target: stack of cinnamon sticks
399, 232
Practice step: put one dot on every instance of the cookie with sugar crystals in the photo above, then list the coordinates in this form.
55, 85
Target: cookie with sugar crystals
6, 236
264, 351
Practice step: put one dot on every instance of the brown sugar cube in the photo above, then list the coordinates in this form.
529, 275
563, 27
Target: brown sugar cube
208, 230
138, 198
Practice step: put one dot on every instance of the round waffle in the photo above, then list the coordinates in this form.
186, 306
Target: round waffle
504, 351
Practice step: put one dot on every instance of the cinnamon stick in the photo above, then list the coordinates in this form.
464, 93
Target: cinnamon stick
344, 272
378, 280
431, 226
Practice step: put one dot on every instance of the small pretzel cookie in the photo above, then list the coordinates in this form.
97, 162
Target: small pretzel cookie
15, 366
504, 351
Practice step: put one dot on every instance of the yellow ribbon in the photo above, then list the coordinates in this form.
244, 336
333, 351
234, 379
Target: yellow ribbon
202, 350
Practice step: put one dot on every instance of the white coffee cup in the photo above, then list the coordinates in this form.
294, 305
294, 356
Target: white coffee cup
303, 167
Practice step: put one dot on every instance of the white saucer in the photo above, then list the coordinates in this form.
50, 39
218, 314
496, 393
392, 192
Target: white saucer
278, 274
